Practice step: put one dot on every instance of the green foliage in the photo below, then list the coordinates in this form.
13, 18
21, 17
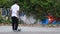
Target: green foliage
39, 8
1, 20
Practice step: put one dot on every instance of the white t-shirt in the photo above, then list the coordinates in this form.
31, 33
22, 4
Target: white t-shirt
14, 9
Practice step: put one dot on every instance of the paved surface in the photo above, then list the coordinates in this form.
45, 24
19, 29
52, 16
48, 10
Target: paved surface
30, 30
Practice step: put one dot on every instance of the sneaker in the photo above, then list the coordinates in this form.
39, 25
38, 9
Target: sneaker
19, 30
15, 30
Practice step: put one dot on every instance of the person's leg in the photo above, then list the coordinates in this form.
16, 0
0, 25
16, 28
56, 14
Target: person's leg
16, 23
13, 27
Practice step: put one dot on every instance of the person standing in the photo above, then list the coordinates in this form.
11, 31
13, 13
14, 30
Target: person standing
15, 15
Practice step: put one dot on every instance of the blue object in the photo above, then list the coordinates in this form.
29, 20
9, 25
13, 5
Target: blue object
58, 22
54, 22
45, 21
22, 14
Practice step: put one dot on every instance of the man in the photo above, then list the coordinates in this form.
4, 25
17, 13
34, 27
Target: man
14, 16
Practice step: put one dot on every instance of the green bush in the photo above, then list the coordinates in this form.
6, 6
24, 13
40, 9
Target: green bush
1, 20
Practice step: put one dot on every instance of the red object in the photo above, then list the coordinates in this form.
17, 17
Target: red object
51, 18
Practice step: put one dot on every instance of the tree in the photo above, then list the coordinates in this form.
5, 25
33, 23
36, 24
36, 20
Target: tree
39, 8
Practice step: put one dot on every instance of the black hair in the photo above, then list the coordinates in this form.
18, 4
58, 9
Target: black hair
15, 1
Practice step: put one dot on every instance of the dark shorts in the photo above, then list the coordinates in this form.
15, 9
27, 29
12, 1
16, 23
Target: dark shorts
14, 19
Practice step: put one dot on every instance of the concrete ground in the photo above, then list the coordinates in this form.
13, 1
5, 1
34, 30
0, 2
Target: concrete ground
30, 30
